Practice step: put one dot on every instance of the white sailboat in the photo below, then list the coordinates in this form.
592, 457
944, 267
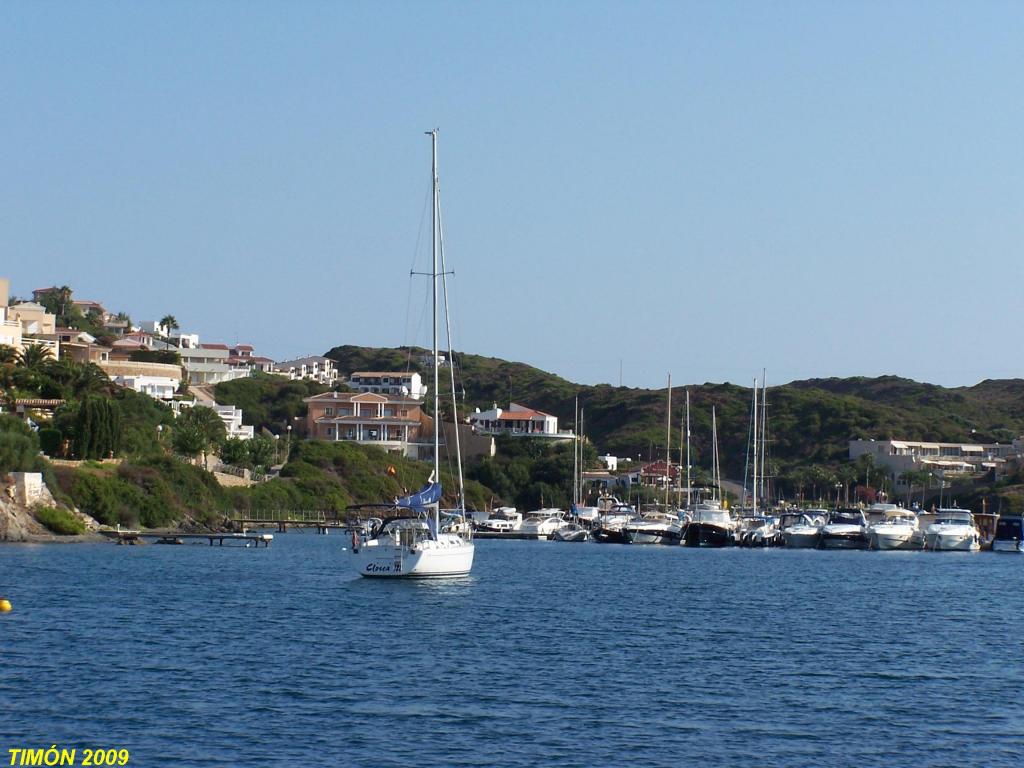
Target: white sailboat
412, 544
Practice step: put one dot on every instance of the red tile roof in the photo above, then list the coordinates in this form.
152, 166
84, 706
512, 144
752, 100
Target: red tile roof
214, 346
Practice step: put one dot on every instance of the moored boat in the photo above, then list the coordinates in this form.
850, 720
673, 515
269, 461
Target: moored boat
709, 526
845, 529
571, 532
802, 529
892, 527
953, 530
1009, 535
653, 528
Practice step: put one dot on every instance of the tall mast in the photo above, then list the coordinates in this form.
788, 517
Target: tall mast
764, 434
754, 484
715, 476
668, 440
689, 500
581, 455
433, 285
451, 355
576, 452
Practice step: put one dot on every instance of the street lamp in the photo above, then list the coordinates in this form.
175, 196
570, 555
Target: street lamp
288, 444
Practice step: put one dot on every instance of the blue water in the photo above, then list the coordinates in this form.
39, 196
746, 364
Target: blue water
549, 655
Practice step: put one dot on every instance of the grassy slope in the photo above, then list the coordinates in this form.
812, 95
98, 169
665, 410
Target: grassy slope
809, 421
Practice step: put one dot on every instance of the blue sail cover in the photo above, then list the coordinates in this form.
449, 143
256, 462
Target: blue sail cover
419, 501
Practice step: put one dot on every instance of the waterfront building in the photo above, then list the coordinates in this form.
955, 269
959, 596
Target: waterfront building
900, 456
408, 383
519, 421
208, 364
158, 380
393, 422
316, 368
34, 318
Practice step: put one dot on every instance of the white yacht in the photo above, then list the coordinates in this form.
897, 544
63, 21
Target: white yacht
542, 523
412, 544
953, 530
802, 530
845, 529
406, 547
1009, 535
502, 520
653, 528
892, 527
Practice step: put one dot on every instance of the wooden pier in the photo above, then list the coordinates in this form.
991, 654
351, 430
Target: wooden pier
233, 539
282, 519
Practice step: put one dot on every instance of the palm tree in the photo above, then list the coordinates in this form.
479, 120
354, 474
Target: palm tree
201, 430
170, 323
8, 355
34, 356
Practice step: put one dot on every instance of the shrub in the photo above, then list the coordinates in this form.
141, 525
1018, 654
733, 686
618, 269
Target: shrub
60, 521
17, 452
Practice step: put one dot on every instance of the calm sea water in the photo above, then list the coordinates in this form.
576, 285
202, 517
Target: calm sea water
549, 655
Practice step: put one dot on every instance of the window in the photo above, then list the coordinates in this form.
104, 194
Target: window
329, 411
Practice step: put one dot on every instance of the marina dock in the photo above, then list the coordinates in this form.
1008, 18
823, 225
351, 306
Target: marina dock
233, 539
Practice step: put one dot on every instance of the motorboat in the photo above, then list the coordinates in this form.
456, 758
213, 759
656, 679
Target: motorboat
953, 530
608, 527
710, 526
542, 523
589, 515
1009, 535
502, 520
653, 528
570, 532
801, 529
845, 529
759, 531
892, 527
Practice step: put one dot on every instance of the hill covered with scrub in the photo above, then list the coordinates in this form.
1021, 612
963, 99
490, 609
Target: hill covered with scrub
809, 422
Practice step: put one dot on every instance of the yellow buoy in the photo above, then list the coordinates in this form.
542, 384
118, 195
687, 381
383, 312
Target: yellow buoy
5, 605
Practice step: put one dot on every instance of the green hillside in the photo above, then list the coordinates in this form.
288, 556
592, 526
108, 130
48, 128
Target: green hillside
810, 422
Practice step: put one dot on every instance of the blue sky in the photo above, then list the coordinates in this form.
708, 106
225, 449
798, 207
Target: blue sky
822, 189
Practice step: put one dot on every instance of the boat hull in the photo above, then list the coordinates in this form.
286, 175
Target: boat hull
1008, 545
652, 536
801, 539
953, 541
571, 536
448, 557
705, 535
609, 536
889, 540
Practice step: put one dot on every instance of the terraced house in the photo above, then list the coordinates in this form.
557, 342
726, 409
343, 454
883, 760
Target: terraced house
393, 422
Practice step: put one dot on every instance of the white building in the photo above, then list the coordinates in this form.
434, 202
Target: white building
208, 364
317, 368
232, 418
388, 383
899, 456
10, 329
518, 420
610, 462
